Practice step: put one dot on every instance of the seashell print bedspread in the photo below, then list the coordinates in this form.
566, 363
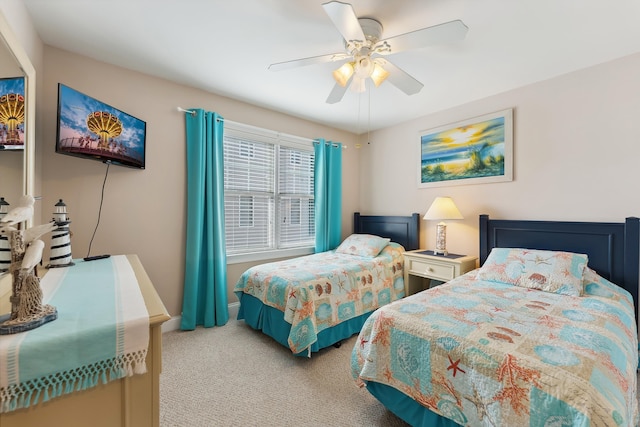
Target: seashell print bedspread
491, 354
318, 291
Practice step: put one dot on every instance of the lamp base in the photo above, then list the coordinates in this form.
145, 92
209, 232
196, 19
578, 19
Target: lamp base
441, 239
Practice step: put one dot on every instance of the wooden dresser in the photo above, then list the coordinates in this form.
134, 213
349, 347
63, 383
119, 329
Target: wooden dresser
128, 402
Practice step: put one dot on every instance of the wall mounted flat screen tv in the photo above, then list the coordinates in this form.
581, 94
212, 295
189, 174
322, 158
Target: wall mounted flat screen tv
12, 111
91, 129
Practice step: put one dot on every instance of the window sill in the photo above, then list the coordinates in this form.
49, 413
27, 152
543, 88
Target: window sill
269, 255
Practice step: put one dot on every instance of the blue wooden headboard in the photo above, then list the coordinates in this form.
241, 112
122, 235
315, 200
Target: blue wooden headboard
400, 229
613, 248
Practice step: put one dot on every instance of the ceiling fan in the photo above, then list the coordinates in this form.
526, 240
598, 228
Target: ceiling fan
364, 51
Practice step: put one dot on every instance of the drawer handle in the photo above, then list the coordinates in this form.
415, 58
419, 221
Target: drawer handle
430, 269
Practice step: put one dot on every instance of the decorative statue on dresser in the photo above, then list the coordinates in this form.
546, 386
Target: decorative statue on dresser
27, 310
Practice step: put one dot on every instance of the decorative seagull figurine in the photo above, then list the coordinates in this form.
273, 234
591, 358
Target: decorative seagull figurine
22, 212
32, 255
33, 233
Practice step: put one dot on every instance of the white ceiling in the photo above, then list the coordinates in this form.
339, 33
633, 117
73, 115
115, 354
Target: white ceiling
225, 47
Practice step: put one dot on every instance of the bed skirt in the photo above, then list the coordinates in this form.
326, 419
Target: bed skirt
271, 322
406, 408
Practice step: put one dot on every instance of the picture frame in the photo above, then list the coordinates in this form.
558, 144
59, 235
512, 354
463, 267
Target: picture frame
12, 112
474, 151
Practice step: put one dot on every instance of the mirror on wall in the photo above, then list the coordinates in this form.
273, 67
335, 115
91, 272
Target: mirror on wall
11, 157
17, 119
17, 166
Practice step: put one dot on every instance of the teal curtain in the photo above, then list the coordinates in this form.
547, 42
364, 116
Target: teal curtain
327, 194
205, 280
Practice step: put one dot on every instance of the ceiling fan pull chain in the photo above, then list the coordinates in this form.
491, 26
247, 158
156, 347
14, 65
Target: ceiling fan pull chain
369, 118
359, 105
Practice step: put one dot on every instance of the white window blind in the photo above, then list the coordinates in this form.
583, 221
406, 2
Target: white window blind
268, 184
295, 192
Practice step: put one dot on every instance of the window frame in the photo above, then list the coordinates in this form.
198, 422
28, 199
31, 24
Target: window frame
278, 139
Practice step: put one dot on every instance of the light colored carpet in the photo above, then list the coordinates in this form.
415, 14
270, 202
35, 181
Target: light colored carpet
235, 376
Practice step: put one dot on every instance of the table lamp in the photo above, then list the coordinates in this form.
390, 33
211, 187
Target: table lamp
442, 208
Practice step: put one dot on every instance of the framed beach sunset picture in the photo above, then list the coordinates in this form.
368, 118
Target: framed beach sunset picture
473, 151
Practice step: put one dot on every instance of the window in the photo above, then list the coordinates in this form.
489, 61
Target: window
268, 184
245, 212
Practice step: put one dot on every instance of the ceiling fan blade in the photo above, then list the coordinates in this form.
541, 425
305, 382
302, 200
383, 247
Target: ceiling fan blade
400, 78
438, 34
338, 92
279, 66
345, 20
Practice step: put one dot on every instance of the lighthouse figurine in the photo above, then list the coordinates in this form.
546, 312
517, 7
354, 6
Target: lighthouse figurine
5, 247
61, 238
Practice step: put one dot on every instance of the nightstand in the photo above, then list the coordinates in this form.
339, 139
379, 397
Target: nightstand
423, 264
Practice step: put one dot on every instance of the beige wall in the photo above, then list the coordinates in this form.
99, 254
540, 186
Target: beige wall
576, 156
144, 210
18, 18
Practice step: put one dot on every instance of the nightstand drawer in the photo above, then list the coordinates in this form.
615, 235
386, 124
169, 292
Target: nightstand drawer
431, 270
420, 265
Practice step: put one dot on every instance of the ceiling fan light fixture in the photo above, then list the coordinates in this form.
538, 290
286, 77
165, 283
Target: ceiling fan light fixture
358, 84
379, 74
364, 47
363, 67
343, 74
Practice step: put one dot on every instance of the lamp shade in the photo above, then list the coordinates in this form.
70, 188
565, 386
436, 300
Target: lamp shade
343, 74
443, 208
379, 74
358, 85
360, 69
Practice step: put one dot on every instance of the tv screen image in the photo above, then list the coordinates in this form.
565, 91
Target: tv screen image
12, 113
91, 129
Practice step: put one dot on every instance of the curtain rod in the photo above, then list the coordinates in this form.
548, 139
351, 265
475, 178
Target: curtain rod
193, 113
333, 144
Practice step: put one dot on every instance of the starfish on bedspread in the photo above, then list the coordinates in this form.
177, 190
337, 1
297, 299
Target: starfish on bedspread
454, 366
481, 407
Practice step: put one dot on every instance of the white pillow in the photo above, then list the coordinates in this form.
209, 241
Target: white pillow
366, 245
549, 271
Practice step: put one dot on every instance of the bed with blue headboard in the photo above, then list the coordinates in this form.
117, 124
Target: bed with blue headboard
545, 331
312, 302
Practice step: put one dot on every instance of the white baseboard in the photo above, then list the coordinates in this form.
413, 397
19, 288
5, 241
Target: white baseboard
173, 324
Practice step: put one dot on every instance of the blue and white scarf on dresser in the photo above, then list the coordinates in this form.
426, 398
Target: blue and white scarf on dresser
101, 334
